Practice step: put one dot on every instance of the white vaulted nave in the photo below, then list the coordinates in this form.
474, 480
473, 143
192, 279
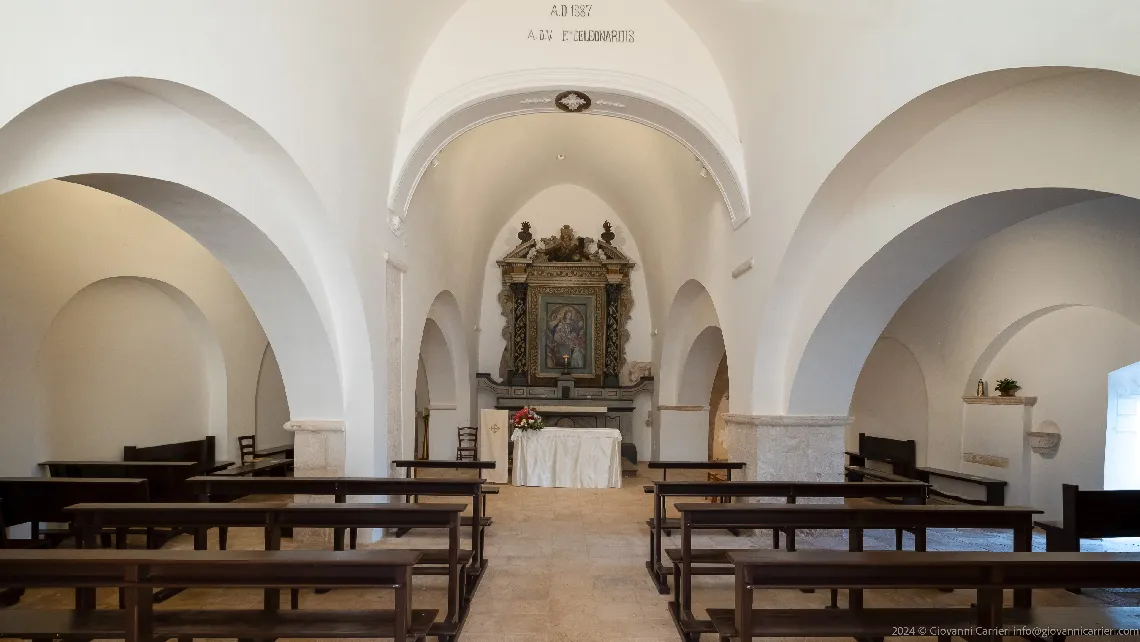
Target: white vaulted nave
802, 241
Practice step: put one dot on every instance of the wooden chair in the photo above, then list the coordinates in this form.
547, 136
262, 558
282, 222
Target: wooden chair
468, 448
247, 444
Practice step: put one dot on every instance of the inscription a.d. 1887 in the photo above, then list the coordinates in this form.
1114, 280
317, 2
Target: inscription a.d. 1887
578, 35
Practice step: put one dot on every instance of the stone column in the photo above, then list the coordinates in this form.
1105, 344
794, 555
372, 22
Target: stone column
788, 447
318, 451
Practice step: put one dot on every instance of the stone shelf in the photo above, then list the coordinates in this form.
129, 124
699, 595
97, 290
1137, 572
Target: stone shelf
1001, 401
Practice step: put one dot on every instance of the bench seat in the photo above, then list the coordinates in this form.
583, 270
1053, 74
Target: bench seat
882, 622
706, 555
668, 523
877, 474
247, 623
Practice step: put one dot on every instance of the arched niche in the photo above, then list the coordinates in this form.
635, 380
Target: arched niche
890, 398
129, 361
272, 403
448, 378
692, 349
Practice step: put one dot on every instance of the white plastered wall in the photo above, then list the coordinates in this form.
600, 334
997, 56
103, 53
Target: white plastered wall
272, 403
59, 238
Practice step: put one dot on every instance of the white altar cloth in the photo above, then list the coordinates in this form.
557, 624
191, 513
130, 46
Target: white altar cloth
568, 458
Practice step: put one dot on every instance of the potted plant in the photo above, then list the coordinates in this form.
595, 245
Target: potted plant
1007, 387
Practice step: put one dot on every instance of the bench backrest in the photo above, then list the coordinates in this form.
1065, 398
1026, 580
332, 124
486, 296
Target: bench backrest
42, 499
216, 569
268, 514
200, 450
360, 486
845, 516
901, 455
904, 490
1100, 513
166, 481
910, 569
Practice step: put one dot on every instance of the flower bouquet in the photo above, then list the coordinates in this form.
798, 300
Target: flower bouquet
526, 420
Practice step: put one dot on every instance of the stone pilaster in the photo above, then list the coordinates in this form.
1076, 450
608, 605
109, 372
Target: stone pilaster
319, 451
788, 447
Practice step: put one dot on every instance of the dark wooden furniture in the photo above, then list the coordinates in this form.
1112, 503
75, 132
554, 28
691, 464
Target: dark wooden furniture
209, 488
283, 451
136, 573
995, 488
910, 492
39, 500
166, 480
1091, 514
276, 517
247, 447
666, 466
901, 455
411, 465
852, 518
988, 573
259, 468
468, 448
199, 450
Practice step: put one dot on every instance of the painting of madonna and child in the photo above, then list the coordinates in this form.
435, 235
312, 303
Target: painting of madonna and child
566, 335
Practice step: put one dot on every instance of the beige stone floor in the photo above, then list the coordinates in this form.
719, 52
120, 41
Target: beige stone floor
566, 565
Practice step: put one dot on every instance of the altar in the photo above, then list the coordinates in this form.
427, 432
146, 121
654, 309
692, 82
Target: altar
567, 458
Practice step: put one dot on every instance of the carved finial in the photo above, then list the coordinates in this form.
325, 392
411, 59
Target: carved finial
525, 235
608, 235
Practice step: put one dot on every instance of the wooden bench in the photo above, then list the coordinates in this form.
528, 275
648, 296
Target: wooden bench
259, 468
40, 500
855, 519
901, 455
725, 466
988, 573
166, 480
994, 488
1091, 514
275, 452
136, 573
340, 489
909, 492
410, 467
276, 517
202, 451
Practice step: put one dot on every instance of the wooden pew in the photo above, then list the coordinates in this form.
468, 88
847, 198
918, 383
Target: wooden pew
341, 488
166, 480
910, 492
38, 500
665, 466
260, 468
1091, 514
901, 455
994, 488
201, 451
136, 573
275, 517
988, 573
852, 518
410, 467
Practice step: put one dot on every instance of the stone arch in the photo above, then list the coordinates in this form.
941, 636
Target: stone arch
1059, 142
691, 313
691, 351
446, 363
221, 178
458, 87
206, 346
982, 363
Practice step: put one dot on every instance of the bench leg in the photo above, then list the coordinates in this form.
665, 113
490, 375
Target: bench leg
294, 599
776, 539
223, 537
352, 538
898, 539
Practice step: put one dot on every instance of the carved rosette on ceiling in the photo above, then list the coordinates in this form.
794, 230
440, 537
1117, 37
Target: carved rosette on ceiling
566, 265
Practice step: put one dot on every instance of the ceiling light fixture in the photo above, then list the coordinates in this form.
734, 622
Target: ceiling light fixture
562, 157
704, 172
435, 162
